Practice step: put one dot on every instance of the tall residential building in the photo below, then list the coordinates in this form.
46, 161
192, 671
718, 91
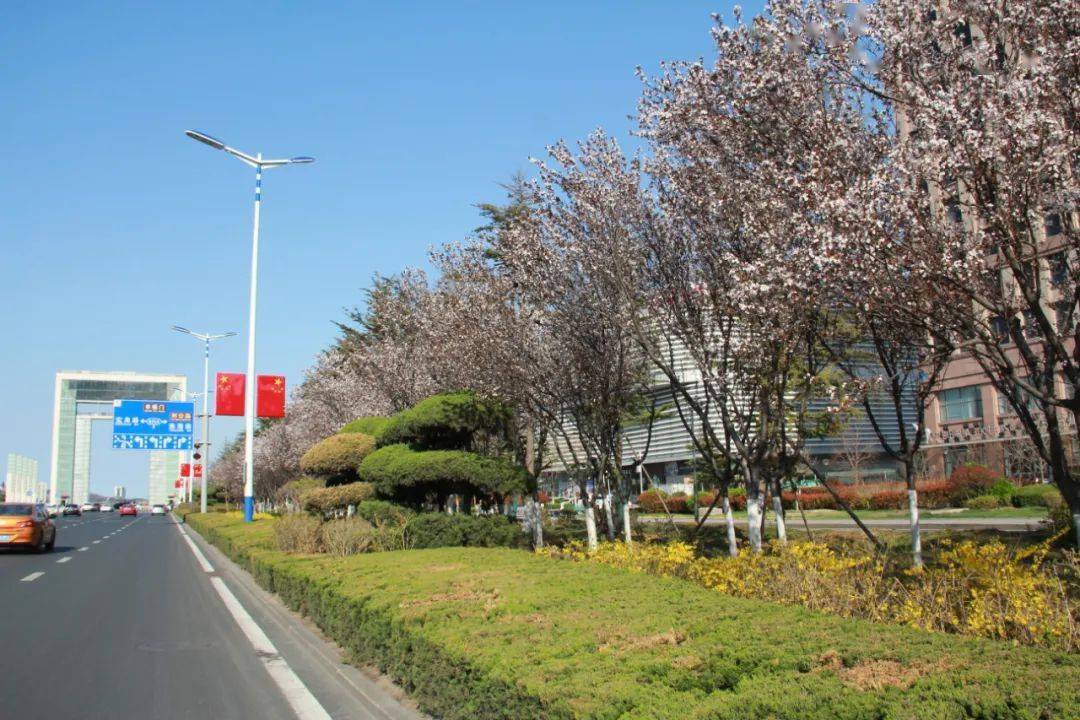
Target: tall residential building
21, 482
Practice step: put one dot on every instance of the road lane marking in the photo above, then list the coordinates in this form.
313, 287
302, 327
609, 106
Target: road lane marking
95, 542
84, 549
63, 559
300, 699
32, 577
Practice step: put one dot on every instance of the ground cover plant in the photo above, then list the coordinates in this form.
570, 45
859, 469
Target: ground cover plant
985, 589
495, 633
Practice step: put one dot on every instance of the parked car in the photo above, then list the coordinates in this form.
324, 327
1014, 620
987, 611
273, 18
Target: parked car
26, 525
157, 510
88, 507
71, 510
128, 510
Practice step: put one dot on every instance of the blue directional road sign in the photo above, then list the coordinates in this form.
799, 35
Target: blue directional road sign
152, 425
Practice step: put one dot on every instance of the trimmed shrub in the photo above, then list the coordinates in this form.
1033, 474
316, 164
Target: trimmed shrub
291, 491
431, 530
447, 421
379, 512
653, 501
337, 457
372, 425
1003, 490
983, 502
404, 474
971, 480
298, 534
1037, 496
338, 497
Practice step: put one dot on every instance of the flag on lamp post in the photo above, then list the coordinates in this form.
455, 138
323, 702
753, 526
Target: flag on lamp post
270, 401
185, 469
229, 398
198, 470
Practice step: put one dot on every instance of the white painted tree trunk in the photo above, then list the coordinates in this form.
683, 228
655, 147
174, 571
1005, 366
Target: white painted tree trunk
781, 526
729, 520
590, 528
538, 525
916, 537
753, 518
626, 523
609, 516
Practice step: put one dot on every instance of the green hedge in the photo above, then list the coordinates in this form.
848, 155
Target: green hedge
447, 421
496, 634
372, 425
404, 474
432, 530
1037, 496
337, 457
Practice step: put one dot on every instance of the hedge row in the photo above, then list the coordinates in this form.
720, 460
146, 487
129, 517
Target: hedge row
485, 634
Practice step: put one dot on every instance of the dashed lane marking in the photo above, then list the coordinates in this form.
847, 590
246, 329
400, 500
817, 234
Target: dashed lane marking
32, 577
84, 548
63, 560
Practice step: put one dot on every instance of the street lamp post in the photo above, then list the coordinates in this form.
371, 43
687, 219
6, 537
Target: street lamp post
206, 338
259, 164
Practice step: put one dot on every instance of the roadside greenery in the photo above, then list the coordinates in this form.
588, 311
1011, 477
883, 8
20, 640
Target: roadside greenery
492, 633
337, 458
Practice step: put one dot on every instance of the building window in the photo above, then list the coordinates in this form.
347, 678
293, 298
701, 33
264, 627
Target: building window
1052, 224
1031, 324
960, 403
1059, 268
953, 212
999, 326
1064, 317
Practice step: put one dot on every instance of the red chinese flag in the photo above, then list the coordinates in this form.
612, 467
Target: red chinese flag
178, 484
270, 401
230, 394
185, 470
198, 471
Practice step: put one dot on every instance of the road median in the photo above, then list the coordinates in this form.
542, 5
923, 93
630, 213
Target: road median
497, 633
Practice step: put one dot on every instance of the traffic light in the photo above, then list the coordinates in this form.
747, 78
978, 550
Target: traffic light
196, 456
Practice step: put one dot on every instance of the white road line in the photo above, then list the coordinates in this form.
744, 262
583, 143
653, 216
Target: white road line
63, 560
95, 542
32, 577
84, 549
300, 699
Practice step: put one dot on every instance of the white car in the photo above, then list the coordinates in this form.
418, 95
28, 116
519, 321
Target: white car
54, 510
88, 507
157, 510
106, 507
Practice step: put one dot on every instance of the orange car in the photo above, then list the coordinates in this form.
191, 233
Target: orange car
26, 525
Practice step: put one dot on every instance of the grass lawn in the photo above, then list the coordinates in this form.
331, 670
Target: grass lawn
495, 633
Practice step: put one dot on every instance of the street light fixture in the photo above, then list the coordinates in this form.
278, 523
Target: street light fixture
259, 164
206, 338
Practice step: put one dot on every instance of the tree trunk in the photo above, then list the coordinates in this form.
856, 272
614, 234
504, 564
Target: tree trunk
609, 517
729, 520
916, 538
535, 513
626, 523
590, 527
781, 525
753, 519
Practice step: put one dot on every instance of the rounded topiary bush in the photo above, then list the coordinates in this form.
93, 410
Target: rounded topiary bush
337, 457
372, 425
448, 420
971, 480
338, 497
407, 475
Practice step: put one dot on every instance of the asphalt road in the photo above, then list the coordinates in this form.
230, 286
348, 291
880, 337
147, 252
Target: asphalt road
120, 621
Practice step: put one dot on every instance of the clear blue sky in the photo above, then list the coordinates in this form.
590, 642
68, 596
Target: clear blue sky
114, 226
